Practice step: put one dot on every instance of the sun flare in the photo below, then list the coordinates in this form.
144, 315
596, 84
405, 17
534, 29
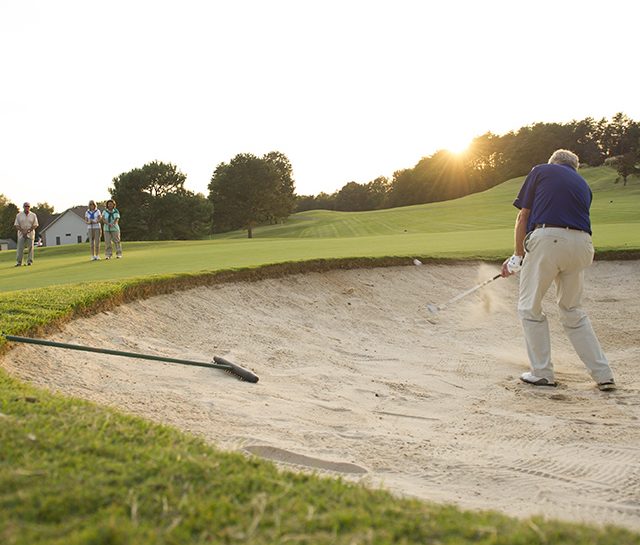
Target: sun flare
457, 147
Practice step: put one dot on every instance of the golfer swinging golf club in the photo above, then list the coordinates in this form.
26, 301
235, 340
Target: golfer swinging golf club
553, 230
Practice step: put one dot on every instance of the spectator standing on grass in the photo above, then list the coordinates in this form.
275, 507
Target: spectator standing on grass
553, 244
110, 220
93, 218
26, 224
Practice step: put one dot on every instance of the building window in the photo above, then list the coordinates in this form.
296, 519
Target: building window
67, 234
79, 239
57, 241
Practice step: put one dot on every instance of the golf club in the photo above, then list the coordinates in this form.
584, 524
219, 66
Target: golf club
435, 308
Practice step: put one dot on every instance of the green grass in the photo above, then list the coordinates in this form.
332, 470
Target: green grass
477, 226
74, 472
490, 210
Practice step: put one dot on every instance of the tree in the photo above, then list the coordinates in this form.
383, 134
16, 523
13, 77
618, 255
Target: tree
250, 190
321, 201
405, 188
285, 205
324, 201
378, 190
356, 197
621, 140
45, 213
492, 159
353, 197
8, 212
180, 216
306, 202
620, 136
626, 165
44, 208
155, 205
586, 134
484, 158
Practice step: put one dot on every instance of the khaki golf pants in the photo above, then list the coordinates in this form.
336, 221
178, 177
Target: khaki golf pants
24, 242
110, 236
94, 240
558, 255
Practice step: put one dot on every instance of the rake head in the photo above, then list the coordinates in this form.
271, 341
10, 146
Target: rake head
235, 370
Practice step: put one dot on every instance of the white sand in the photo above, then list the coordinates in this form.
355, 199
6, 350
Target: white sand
356, 381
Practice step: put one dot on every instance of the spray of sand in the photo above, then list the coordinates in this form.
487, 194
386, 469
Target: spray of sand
490, 299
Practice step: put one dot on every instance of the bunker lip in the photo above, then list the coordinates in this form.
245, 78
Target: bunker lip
353, 372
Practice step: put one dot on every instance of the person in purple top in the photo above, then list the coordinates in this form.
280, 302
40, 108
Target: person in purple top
553, 244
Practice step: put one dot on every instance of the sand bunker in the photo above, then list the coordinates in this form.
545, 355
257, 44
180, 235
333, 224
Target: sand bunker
355, 380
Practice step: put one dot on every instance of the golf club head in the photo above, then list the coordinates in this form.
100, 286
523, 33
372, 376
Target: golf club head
433, 309
417, 262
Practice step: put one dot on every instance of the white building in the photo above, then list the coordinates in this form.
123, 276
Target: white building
66, 228
7, 244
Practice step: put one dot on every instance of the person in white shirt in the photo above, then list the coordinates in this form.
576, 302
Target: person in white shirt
93, 218
26, 224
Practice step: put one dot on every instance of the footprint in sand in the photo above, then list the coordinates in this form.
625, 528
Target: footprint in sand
288, 457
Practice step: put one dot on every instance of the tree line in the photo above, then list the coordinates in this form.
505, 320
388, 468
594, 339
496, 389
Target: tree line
488, 161
155, 205
9, 210
243, 193
250, 190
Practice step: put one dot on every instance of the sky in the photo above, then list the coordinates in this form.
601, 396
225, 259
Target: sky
348, 90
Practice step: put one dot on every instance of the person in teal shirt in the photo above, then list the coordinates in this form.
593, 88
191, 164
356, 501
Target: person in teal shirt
111, 230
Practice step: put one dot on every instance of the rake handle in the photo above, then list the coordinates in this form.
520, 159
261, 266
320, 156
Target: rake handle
220, 363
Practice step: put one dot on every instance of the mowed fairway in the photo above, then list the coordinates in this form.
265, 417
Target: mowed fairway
478, 226
355, 381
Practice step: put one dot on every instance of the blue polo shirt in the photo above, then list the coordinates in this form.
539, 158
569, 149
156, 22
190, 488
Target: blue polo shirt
558, 195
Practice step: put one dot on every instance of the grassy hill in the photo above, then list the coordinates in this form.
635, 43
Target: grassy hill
491, 209
75, 473
477, 226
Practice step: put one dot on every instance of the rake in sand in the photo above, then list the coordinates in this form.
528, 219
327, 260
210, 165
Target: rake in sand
219, 363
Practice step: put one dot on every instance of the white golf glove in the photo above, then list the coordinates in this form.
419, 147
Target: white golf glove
514, 264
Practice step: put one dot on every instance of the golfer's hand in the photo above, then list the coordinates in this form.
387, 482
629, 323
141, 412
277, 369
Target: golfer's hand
511, 265
505, 271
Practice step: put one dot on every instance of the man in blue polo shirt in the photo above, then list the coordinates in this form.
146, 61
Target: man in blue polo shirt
553, 230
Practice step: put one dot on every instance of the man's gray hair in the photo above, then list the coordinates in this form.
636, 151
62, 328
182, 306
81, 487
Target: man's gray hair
564, 157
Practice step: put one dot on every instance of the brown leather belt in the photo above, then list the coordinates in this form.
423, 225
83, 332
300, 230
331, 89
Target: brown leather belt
543, 225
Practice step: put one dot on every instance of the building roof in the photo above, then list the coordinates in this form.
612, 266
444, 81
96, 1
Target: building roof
77, 210
46, 224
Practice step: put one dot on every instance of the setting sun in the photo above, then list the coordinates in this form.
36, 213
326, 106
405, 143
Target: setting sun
376, 98
457, 147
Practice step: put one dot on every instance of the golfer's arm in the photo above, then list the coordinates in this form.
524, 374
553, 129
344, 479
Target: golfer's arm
520, 231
